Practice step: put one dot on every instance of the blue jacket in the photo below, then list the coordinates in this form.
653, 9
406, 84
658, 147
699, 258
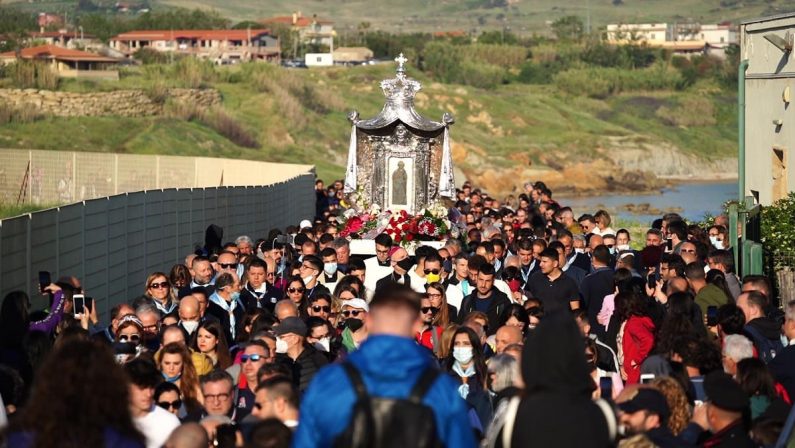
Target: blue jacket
390, 366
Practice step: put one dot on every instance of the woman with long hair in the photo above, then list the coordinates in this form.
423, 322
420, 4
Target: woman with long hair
209, 339
718, 278
158, 290
516, 316
683, 318
83, 402
637, 334
758, 383
180, 277
176, 364
467, 365
677, 401
296, 292
436, 293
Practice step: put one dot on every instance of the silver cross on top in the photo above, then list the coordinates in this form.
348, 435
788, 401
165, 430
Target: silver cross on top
401, 60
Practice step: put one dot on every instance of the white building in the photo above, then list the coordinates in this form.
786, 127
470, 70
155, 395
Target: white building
767, 45
639, 32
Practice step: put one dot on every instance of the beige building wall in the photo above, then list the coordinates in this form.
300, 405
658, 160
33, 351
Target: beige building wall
770, 114
59, 177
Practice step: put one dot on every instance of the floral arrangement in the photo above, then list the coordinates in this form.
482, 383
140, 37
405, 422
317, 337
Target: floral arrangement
366, 221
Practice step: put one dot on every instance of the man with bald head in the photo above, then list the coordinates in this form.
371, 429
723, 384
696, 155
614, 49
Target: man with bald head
401, 265
505, 336
284, 309
189, 317
188, 435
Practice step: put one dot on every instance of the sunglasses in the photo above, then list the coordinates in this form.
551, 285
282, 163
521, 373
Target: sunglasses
176, 404
429, 309
294, 290
534, 311
253, 358
130, 338
228, 265
431, 271
355, 313
161, 285
318, 308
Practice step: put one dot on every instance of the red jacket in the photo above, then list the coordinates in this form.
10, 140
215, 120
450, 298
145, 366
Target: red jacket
426, 338
637, 343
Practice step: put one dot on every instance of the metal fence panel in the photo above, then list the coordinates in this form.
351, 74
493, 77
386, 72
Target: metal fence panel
114, 242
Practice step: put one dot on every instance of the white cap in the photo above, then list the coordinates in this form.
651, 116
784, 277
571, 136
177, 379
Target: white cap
356, 303
305, 224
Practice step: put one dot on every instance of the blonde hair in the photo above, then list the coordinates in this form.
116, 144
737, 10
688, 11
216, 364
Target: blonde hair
151, 277
677, 403
446, 339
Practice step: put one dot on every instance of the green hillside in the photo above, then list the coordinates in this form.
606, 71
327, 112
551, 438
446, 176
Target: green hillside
512, 131
521, 16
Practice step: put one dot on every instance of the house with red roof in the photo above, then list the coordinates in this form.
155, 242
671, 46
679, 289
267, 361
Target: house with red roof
67, 62
311, 30
220, 46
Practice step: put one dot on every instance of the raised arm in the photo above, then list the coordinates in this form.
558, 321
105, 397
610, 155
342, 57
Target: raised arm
49, 323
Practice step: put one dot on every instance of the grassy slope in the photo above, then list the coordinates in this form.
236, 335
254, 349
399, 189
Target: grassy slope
514, 124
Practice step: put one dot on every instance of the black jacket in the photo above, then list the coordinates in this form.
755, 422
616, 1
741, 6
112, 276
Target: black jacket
219, 313
390, 280
499, 303
783, 369
304, 367
593, 289
266, 301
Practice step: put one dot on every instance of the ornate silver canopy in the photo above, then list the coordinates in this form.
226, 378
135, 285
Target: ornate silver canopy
401, 159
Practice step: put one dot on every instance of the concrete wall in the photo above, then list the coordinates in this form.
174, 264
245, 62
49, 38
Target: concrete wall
125, 103
60, 177
113, 243
770, 120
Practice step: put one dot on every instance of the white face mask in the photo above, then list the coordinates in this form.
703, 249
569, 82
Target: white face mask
462, 354
715, 242
281, 345
330, 268
622, 247
323, 344
308, 279
579, 250
190, 325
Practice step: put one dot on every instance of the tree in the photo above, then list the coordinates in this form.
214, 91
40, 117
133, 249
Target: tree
568, 28
14, 25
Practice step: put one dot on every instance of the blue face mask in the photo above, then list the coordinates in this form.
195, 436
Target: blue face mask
172, 379
235, 296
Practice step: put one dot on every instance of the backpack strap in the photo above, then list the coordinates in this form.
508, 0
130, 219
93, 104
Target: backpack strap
356, 380
422, 385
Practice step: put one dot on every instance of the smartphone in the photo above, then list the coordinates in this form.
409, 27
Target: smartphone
646, 378
712, 316
606, 387
44, 280
78, 301
651, 281
698, 389
285, 239
669, 244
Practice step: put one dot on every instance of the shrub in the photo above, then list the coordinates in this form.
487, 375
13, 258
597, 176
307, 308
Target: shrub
456, 63
600, 82
32, 75
25, 113
150, 56
227, 126
193, 72
778, 225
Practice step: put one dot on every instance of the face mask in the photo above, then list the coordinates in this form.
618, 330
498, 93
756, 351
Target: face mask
612, 250
235, 296
497, 264
308, 279
432, 278
622, 247
405, 264
330, 268
354, 324
462, 354
579, 250
281, 345
190, 326
514, 284
172, 379
784, 340
323, 344
715, 242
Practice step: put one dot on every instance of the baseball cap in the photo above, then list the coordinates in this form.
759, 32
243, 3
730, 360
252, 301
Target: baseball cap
356, 303
305, 224
647, 399
725, 393
291, 325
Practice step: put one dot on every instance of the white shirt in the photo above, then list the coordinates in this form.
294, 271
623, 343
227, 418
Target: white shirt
157, 426
374, 272
417, 282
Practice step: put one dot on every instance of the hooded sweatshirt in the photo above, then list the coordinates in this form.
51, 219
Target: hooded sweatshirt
557, 409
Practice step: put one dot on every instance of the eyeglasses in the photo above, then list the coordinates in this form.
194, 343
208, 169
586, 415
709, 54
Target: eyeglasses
176, 404
431, 271
429, 309
253, 358
318, 308
134, 338
161, 285
355, 313
219, 397
434, 295
294, 290
228, 265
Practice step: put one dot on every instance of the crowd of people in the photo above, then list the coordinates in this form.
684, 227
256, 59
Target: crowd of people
534, 328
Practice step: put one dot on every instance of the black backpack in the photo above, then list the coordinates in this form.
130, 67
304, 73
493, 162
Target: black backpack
390, 422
